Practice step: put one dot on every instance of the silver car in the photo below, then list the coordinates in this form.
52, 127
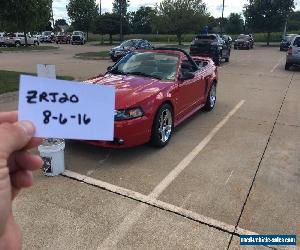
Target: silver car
293, 54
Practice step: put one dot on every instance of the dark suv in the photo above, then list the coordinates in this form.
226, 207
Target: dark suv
211, 45
244, 42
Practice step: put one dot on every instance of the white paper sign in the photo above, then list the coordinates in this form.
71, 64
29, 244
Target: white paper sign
46, 70
67, 110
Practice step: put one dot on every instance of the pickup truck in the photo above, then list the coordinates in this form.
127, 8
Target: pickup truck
18, 39
78, 37
211, 45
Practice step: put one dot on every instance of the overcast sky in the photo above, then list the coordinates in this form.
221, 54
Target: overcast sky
214, 6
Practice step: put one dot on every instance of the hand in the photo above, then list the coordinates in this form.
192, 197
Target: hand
16, 166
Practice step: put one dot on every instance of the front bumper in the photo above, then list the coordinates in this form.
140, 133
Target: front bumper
132, 133
242, 45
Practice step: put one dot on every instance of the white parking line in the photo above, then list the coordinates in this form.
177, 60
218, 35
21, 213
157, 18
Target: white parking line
119, 233
273, 69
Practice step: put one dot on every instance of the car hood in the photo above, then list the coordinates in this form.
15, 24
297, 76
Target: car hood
131, 90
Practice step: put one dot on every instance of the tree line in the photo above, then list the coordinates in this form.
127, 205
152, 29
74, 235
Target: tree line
168, 17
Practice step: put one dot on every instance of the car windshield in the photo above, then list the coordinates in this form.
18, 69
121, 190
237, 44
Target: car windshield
243, 37
161, 66
297, 42
129, 43
47, 33
289, 38
204, 37
77, 33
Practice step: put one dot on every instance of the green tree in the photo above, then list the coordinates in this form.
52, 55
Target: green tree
294, 21
267, 15
120, 8
108, 23
82, 14
181, 16
25, 15
141, 20
235, 24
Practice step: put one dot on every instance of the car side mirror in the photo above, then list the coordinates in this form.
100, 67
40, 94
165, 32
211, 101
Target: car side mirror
186, 76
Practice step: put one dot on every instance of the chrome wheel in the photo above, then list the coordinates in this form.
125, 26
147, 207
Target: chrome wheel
165, 125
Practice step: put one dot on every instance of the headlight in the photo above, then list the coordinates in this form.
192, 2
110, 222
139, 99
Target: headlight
127, 114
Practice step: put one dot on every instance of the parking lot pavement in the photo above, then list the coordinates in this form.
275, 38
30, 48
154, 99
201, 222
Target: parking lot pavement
63, 58
244, 174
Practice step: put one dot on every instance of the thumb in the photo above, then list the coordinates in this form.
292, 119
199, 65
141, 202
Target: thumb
14, 137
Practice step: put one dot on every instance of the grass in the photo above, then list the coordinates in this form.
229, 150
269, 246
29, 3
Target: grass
102, 55
9, 80
29, 48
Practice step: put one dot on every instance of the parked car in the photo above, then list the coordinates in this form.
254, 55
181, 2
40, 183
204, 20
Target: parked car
2, 38
63, 37
18, 39
293, 54
244, 42
156, 90
286, 42
211, 45
47, 37
227, 39
78, 37
128, 46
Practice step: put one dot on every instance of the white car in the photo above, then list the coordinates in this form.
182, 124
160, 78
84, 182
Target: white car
293, 54
2, 34
18, 39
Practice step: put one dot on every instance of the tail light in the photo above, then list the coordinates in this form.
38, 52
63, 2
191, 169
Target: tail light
290, 50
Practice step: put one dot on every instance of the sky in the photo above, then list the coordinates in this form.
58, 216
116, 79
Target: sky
214, 6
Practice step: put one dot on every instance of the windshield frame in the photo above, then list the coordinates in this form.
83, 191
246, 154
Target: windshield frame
125, 59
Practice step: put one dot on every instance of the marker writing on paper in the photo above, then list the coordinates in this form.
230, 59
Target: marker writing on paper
81, 119
34, 97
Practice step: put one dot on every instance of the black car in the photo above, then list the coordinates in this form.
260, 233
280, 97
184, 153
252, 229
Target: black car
128, 46
286, 42
244, 42
211, 45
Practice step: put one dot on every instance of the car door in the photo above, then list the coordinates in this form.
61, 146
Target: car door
296, 48
191, 92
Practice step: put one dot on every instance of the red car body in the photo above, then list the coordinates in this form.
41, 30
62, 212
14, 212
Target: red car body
185, 97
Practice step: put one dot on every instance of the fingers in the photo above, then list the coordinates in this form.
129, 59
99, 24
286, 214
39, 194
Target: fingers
33, 143
21, 179
15, 137
23, 160
9, 117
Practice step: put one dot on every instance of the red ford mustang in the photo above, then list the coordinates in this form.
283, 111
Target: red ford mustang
156, 90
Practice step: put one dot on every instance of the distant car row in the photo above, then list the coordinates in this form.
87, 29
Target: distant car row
209, 45
18, 39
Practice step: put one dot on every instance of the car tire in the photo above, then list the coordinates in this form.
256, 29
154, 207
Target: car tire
36, 43
227, 59
287, 66
18, 44
211, 98
218, 60
162, 128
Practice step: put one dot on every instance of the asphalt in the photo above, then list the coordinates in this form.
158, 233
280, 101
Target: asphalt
247, 175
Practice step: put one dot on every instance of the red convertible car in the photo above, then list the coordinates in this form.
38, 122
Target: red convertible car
156, 90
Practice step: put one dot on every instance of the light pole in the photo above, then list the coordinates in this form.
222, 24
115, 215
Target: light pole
222, 19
